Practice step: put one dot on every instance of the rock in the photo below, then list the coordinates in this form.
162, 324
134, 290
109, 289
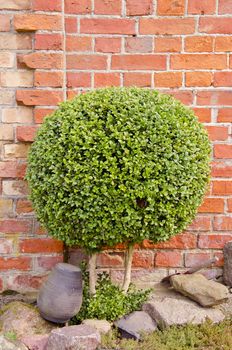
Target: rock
8, 296
133, 325
102, 326
6, 344
227, 269
35, 342
197, 287
169, 311
74, 338
23, 319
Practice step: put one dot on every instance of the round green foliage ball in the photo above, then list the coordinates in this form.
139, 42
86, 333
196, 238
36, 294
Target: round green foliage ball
118, 165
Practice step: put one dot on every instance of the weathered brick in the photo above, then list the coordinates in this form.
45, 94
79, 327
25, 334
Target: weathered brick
15, 4
222, 223
107, 7
181, 241
14, 169
48, 41
26, 133
217, 133
200, 223
214, 98
167, 26
7, 97
46, 263
138, 8
71, 24
143, 259
198, 79
4, 23
138, 45
168, 44
33, 22
17, 115
78, 79
171, 7
137, 79
10, 41
6, 209
41, 113
199, 44
203, 114
229, 204
108, 45
43, 60
215, 25
16, 150
78, 6
20, 263
193, 259
52, 79
185, 97
225, 7
107, 26
168, 259
221, 169
198, 61
212, 205
224, 115
6, 246
223, 151
86, 62
14, 188
15, 226
25, 282
23, 206
203, 7
168, 79
48, 6
78, 43
223, 188
141, 62
45, 245
39, 97
105, 259
6, 132
213, 241
223, 43
222, 79
7, 59
16, 79
106, 79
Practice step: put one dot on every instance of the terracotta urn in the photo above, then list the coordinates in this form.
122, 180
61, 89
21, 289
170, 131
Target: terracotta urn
60, 297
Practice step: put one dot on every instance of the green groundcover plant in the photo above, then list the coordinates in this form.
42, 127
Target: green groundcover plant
118, 165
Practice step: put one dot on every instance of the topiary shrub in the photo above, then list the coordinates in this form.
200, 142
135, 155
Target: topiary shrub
118, 165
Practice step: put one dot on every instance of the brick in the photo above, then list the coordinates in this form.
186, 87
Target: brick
45, 245
107, 26
107, 7
168, 44
198, 79
138, 8
78, 6
4, 23
203, 7
212, 205
137, 79
6, 209
166, 26
7, 97
221, 169
223, 43
26, 133
15, 226
222, 79
140, 62
23, 206
108, 45
201, 223
6, 59
14, 188
199, 44
222, 223
198, 61
108, 260
19, 263
6, 246
13, 169
203, 114
225, 7
222, 188
24, 282
230, 62
138, 45
78, 80
181, 241
193, 259
220, 256
214, 98
48, 6
106, 79
16, 79
86, 62
52, 79
39, 97
213, 241
229, 204
41, 113
6, 132
15, 5
47, 262
33, 22
185, 97
168, 79
168, 259
171, 7
143, 259
224, 115
39, 230
48, 41
78, 43
10, 41
71, 24
16, 150
223, 151
217, 133
215, 25
41, 60
17, 115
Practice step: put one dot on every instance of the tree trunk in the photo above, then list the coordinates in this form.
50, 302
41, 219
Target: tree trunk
128, 264
92, 273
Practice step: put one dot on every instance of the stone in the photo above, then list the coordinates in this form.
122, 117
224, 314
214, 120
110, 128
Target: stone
22, 319
133, 325
169, 311
35, 341
102, 326
74, 338
197, 287
6, 344
8, 296
227, 269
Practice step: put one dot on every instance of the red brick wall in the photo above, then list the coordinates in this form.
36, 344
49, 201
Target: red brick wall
50, 49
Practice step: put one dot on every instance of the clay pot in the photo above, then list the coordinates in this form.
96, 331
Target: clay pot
60, 297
